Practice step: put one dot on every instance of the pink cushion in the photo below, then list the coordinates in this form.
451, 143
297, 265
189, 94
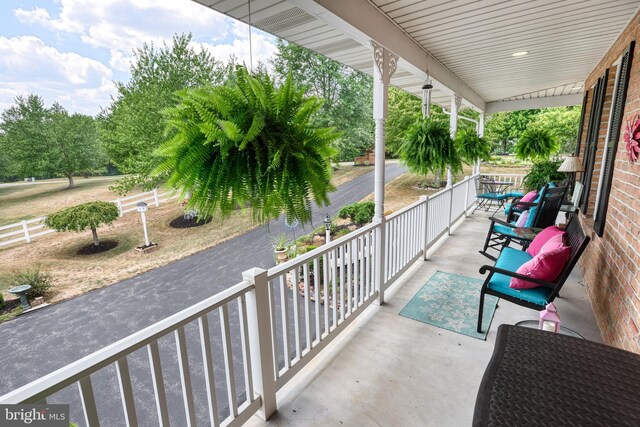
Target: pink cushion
522, 219
547, 265
542, 238
529, 197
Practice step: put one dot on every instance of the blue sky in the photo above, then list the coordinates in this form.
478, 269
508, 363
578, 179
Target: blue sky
71, 51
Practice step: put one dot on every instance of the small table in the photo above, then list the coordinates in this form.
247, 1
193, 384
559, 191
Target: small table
21, 291
495, 191
542, 378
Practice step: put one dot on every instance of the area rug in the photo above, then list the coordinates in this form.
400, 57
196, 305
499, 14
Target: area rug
450, 301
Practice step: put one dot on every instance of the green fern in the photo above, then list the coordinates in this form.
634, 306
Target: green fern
536, 143
428, 147
249, 142
472, 147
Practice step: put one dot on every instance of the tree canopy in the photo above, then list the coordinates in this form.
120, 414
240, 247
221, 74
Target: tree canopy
40, 141
347, 95
133, 126
252, 142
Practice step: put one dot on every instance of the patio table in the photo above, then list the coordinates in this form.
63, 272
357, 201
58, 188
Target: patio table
542, 378
495, 191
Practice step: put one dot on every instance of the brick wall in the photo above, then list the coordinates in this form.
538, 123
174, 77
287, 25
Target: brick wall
611, 265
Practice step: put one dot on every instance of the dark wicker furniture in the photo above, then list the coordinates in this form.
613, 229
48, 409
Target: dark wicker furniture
538, 378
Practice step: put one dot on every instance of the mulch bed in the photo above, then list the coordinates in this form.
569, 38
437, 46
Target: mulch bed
181, 222
9, 305
104, 245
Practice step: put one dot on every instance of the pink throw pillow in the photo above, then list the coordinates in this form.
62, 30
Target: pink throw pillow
522, 219
541, 239
528, 198
547, 265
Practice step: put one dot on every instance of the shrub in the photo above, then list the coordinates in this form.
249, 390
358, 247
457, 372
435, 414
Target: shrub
87, 215
542, 173
360, 213
40, 282
1, 301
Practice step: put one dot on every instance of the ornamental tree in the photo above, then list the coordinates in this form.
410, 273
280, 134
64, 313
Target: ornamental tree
87, 215
249, 142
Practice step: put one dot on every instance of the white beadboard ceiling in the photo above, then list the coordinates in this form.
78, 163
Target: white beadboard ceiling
473, 39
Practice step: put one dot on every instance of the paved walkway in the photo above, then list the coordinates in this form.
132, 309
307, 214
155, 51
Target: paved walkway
36, 344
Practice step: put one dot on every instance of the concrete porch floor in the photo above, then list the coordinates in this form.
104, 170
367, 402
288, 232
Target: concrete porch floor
388, 370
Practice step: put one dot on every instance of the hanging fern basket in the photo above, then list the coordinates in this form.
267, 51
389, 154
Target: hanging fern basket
249, 143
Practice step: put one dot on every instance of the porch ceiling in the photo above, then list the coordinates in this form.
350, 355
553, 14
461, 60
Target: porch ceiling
471, 42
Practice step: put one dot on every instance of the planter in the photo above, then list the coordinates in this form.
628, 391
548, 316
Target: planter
144, 249
281, 255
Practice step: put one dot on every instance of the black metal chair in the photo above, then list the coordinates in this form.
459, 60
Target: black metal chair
545, 211
499, 278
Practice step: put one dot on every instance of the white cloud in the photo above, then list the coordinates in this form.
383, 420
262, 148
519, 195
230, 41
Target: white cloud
82, 84
122, 25
27, 64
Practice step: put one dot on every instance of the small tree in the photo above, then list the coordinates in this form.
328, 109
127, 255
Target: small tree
87, 215
428, 147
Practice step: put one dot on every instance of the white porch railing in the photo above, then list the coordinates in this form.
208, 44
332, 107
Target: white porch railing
255, 336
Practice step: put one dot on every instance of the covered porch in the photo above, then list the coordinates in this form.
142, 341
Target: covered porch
386, 369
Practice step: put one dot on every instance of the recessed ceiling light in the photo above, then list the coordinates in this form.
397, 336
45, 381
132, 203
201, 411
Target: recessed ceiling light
523, 53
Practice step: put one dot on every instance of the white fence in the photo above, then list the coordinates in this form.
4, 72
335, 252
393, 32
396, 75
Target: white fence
265, 329
27, 230
516, 179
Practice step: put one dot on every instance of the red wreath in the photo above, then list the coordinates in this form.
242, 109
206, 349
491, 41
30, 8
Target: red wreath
632, 138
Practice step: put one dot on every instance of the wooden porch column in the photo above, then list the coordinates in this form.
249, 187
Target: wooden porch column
385, 64
456, 100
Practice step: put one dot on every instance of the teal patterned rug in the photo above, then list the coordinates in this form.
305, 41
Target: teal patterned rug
450, 301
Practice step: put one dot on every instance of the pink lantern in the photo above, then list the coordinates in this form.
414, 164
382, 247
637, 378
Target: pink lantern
549, 320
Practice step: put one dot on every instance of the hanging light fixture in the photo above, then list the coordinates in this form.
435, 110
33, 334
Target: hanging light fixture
426, 93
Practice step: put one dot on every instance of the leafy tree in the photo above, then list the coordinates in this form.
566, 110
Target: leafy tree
133, 126
73, 143
472, 147
536, 143
347, 95
428, 147
249, 141
48, 141
87, 215
504, 128
405, 109
563, 122
25, 138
